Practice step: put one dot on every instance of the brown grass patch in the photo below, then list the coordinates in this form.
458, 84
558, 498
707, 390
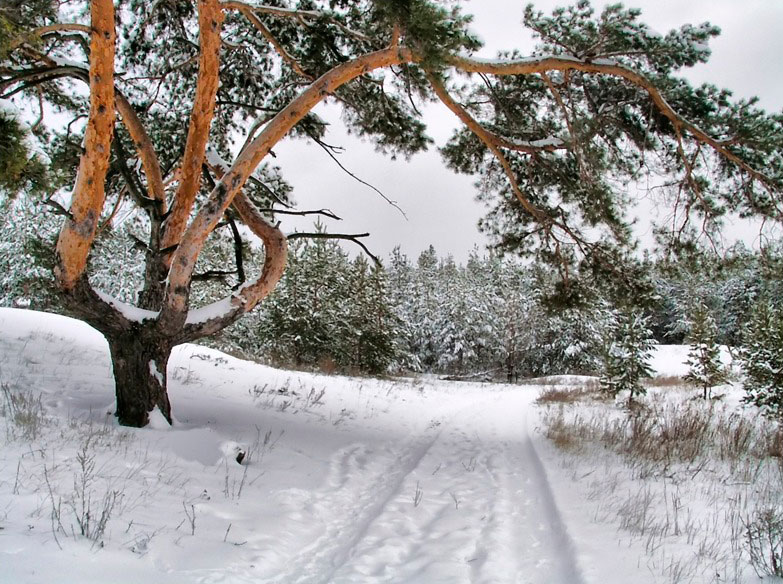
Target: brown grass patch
665, 381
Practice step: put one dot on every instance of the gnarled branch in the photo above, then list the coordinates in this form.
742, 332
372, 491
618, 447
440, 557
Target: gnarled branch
609, 67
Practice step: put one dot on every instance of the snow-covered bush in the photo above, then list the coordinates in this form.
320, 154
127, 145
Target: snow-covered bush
762, 359
627, 355
706, 369
27, 233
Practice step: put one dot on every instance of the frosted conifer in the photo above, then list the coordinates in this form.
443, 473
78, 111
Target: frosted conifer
762, 359
627, 356
706, 370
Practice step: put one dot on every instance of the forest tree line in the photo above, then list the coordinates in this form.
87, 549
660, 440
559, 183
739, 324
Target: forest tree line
493, 316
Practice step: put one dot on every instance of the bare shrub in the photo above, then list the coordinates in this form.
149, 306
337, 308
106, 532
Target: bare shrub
563, 395
327, 365
764, 541
25, 411
90, 507
669, 433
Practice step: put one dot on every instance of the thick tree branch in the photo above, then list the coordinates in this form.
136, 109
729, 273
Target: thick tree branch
175, 304
43, 30
78, 232
32, 77
145, 150
525, 147
492, 143
210, 17
245, 299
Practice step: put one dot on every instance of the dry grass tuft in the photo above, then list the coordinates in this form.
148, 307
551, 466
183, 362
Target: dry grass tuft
569, 394
665, 381
665, 434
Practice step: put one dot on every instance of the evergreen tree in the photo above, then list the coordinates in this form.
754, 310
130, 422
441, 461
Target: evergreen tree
304, 319
426, 309
627, 356
513, 317
401, 277
372, 326
21, 168
706, 369
762, 359
27, 231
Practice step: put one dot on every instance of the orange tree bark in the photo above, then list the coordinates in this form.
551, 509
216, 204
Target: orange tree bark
78, 232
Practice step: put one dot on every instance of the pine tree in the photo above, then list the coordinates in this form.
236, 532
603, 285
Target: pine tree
372, 326
26, 234
762, 359
706, 369
21, 168
627, 356
401, 277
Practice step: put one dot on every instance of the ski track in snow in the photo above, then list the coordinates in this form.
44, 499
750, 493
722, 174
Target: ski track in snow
486, 512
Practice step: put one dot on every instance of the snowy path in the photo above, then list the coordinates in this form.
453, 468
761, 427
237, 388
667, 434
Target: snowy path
468, 500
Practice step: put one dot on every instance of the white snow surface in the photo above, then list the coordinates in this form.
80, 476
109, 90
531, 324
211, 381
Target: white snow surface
155, 372
349, 480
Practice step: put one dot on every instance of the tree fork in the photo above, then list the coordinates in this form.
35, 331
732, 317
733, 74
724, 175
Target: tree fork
175, 303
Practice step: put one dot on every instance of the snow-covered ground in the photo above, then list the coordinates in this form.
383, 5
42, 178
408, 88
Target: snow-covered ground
345, 480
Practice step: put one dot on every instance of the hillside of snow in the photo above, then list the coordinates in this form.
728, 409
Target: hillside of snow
345, 480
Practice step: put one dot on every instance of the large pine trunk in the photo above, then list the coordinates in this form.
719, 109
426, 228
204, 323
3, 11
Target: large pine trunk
139, 359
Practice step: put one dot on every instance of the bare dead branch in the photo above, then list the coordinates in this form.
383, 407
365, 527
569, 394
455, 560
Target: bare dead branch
213, 275
58, 208
250, 14
328, 149
324, 212
354, 237
115, 209
303, 16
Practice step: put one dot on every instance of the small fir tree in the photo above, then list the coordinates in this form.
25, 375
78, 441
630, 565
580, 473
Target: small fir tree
627, 356
762, 359
706, 369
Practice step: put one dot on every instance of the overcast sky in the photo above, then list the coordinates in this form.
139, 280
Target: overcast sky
440, 206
